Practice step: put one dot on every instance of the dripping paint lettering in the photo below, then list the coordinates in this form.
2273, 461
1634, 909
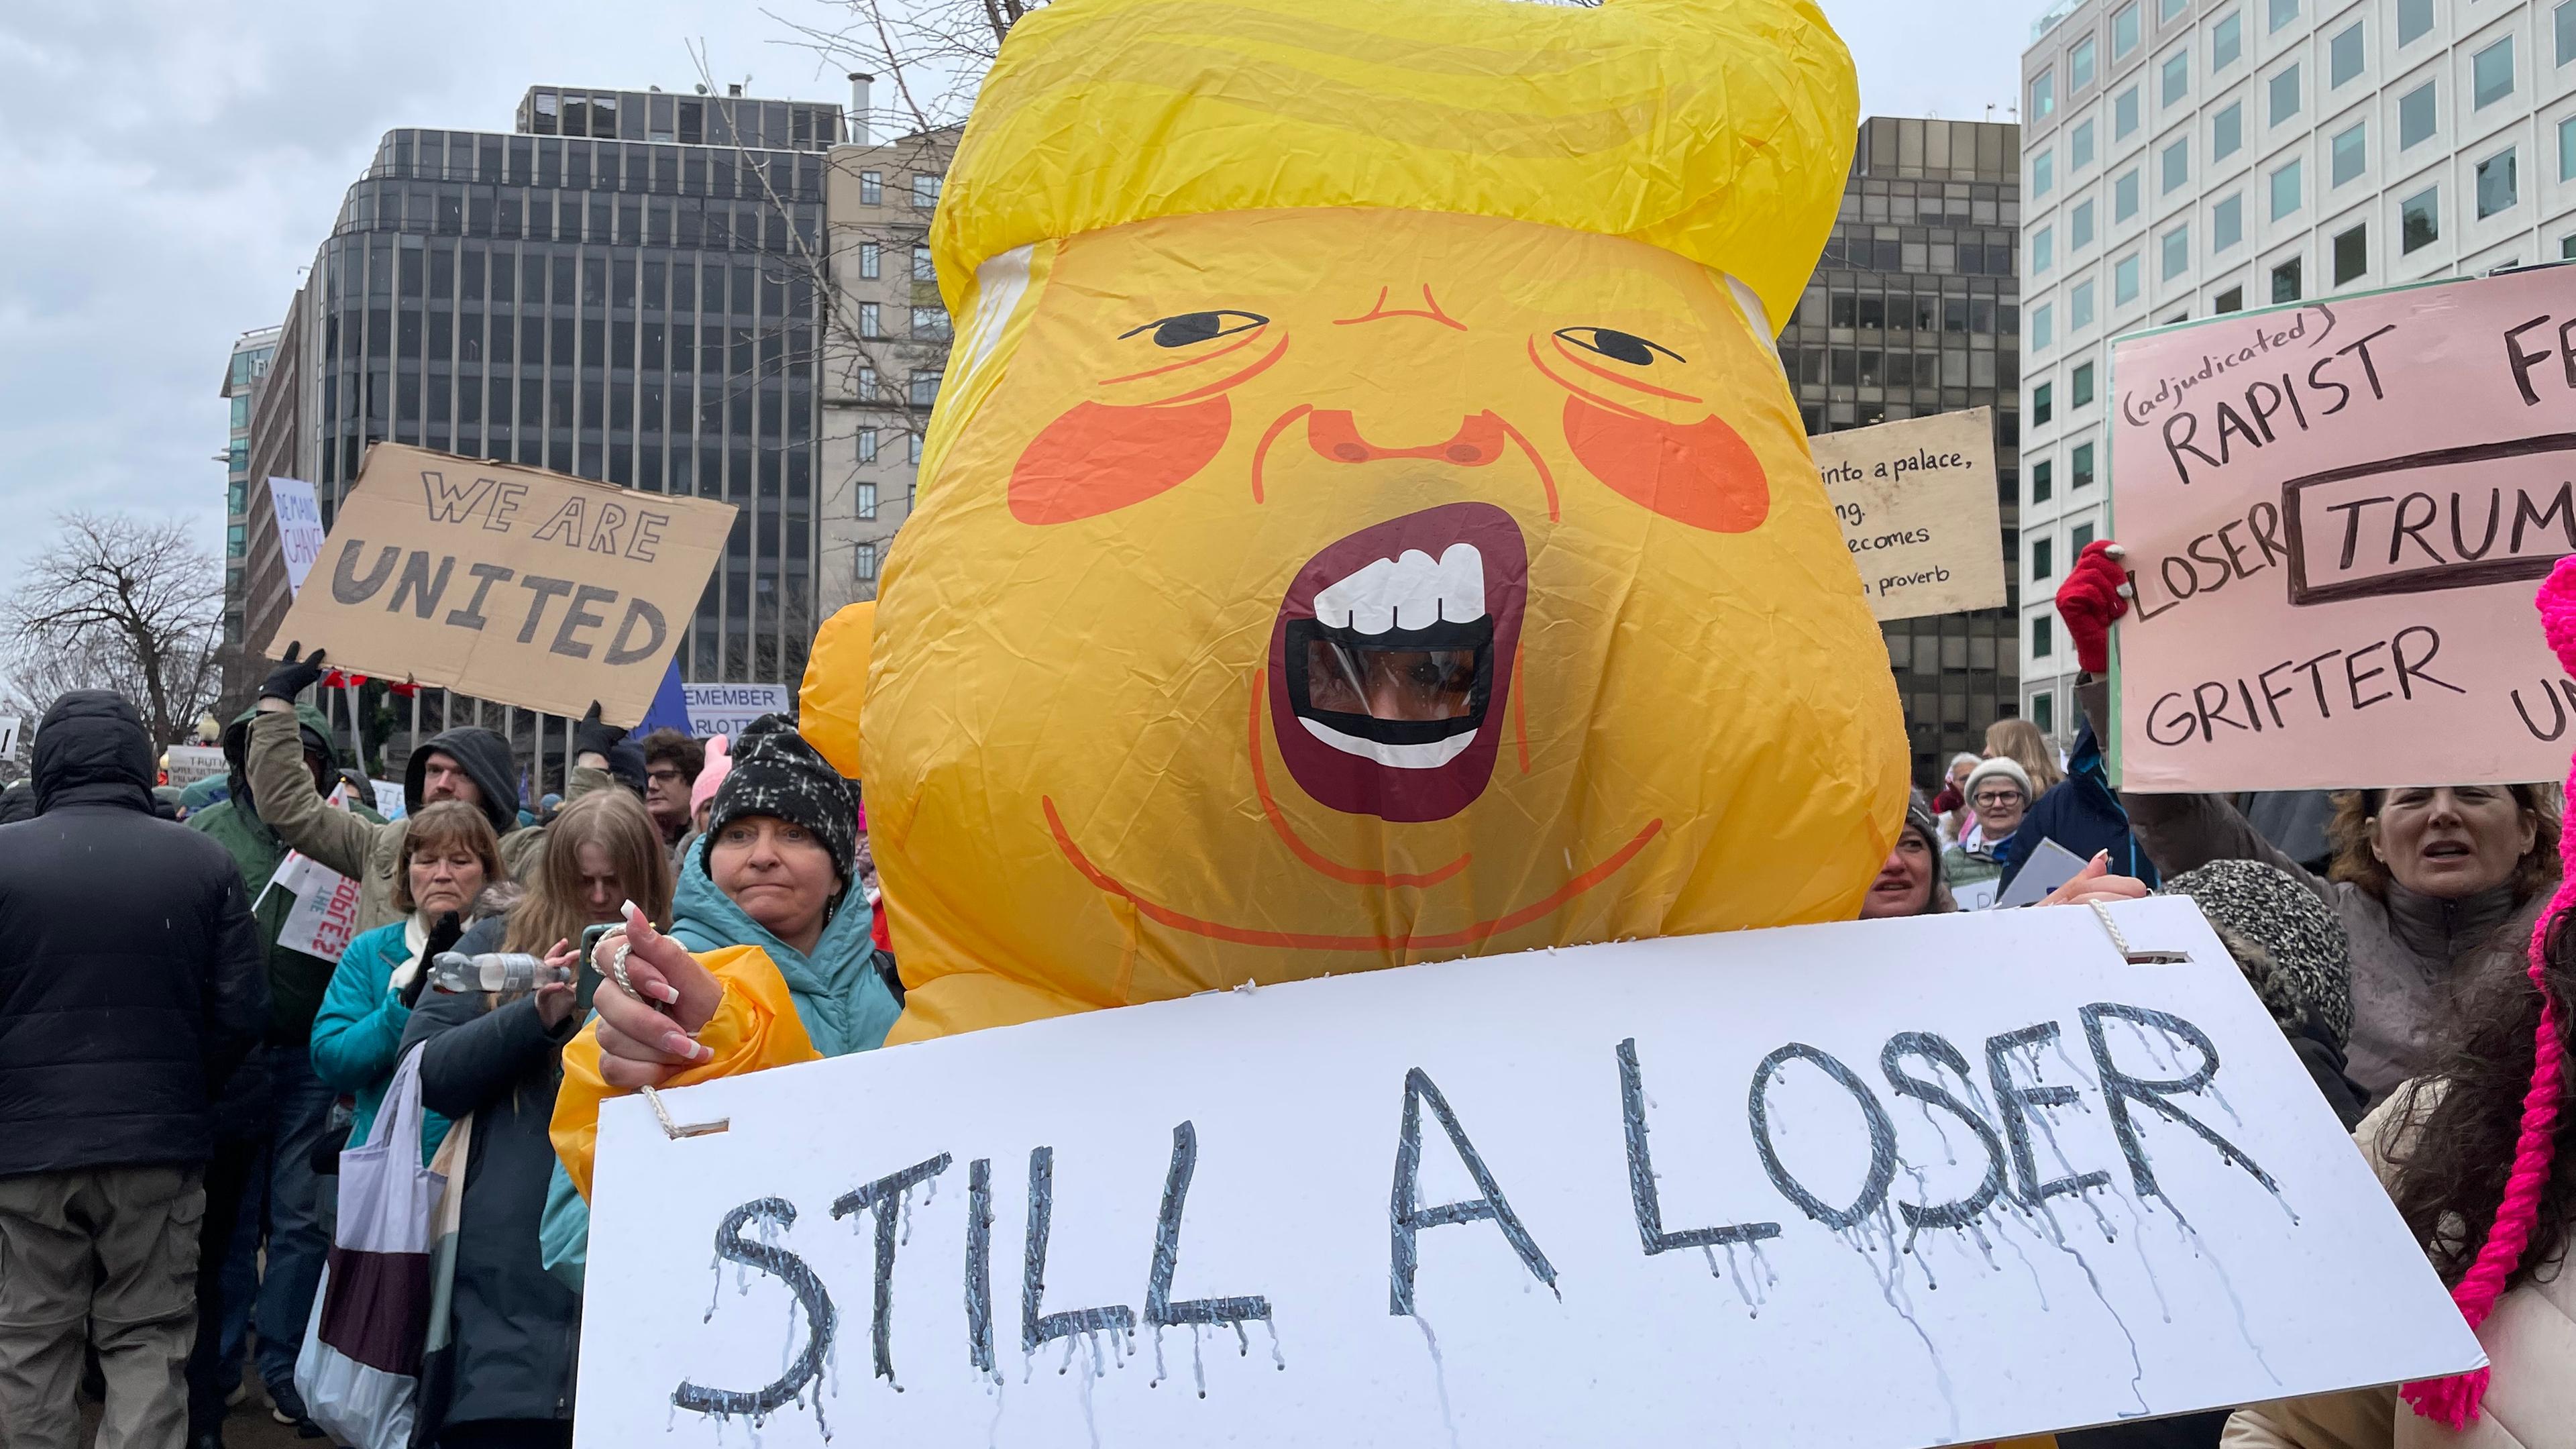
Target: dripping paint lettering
2151, 1067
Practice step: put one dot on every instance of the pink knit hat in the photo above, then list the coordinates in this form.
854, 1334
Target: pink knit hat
719, 764
2453, 1401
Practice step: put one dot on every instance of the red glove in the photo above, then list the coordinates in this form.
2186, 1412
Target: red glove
2090, 599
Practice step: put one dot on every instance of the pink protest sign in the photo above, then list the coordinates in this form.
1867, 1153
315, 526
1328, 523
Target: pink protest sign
2336, 516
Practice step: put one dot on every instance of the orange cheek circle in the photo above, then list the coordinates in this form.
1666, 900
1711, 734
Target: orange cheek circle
1699, 473
1097, 458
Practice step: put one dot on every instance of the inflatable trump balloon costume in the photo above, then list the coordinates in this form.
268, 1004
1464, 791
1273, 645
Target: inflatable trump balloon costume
1365, 521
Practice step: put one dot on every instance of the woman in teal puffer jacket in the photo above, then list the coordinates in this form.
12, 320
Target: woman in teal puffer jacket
448, 855
780, 846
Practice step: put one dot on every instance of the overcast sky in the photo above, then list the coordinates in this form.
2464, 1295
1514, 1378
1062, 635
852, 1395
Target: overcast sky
166, 169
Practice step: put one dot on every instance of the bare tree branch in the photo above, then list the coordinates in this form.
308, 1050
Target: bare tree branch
119, 603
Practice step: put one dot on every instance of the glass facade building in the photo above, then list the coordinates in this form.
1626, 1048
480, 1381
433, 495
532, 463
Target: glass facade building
1913, 310
622, 288
248, 366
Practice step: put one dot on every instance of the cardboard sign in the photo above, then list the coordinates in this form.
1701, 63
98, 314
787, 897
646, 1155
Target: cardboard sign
512, 584
2336, 516
187, 764
1881, 1184
725, 709
325, 915
299, 528
1917, 503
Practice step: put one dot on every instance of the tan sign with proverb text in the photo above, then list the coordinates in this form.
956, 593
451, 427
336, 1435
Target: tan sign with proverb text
1917, 503
511, 584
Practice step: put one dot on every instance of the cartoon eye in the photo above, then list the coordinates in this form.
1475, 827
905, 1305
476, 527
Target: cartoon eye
1188, 329
1618, 346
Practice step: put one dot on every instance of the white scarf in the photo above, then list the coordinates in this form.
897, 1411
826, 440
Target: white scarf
415, 941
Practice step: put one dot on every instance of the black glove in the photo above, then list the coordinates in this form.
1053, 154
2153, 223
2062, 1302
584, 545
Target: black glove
591, 737
443, 936
294, 676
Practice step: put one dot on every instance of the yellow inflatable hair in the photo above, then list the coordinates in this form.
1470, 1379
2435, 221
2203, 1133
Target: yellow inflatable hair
1364, 521
1719, 130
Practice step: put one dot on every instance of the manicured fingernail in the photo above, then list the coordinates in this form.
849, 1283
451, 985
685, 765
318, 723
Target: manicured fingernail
2101, 855
679, 1045
632, 910
663, 991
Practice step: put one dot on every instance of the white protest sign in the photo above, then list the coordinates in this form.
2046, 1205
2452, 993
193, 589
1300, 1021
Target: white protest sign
1919, 511
187, 764
1668, 1192
389, 798
727, 709
299, 528
325, 914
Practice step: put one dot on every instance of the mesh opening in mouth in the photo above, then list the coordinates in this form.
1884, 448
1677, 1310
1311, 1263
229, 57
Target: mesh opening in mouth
1397, 686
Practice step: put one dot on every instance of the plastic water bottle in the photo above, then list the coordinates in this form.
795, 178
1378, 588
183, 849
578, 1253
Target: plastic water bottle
499, 971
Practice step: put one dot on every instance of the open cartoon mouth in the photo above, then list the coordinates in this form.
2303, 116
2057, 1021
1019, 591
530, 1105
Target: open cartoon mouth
1391, 662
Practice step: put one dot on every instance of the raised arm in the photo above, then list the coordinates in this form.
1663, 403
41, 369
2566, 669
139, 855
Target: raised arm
282, 788
2179, 832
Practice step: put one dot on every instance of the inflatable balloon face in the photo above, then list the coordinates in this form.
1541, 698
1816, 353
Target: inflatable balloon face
1307, 589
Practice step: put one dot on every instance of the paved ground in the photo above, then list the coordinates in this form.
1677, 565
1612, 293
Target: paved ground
249, 1427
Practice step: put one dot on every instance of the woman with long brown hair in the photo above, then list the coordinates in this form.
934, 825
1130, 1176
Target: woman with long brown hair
2020, 741
2481, 1159
508, 1377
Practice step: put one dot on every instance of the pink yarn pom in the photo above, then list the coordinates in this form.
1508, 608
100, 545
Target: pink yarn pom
2453, 1402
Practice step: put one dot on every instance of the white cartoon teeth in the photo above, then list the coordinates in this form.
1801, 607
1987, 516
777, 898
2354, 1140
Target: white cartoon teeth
1414, 591
1400, 757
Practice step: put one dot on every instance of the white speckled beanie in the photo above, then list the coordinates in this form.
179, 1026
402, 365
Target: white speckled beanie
775, 772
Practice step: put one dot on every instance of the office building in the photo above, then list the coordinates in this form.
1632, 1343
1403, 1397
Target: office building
244, 371
885, 348
622, 287
1913, 310
274, 413
2183, 158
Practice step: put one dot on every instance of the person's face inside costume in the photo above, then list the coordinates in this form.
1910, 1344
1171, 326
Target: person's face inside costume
1904, 884
2452, 841
442, 778
779, 874
1379, 583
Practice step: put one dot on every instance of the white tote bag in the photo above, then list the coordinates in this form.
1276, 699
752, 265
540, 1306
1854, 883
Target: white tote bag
359, 1371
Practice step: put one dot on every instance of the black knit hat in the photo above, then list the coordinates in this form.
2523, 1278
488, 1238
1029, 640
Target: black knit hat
776, 773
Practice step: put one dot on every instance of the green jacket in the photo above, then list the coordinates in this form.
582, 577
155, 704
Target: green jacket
296, 981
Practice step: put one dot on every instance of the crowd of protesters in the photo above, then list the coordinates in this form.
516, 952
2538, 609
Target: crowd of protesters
177, 1084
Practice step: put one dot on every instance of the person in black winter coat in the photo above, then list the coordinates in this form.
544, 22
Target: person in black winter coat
492, 1063
133, 985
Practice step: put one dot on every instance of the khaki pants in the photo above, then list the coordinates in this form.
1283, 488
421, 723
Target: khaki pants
105, 1257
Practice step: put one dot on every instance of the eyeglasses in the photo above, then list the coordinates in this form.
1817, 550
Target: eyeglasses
1998, 797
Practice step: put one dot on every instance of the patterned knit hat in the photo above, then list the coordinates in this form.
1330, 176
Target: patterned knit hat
2291, 947
776, 773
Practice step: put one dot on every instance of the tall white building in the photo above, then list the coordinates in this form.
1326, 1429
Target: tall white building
2188, 157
